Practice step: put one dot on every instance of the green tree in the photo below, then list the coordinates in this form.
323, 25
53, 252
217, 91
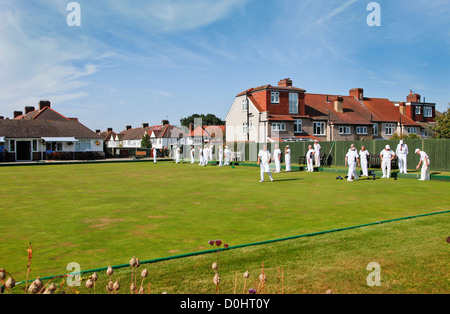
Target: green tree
442, 127
208, 119
145, 142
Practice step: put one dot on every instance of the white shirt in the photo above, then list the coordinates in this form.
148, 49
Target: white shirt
387, 154
265, 156
309, 154
277, 154
402, 149
351, 156
424, 155
317, 147
288, 153
363, 155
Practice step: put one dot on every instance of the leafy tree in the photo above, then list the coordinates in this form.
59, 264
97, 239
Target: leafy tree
208, 119
411, 136
442, 127
145, 142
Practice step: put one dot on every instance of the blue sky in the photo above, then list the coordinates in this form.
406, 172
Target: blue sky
134, 62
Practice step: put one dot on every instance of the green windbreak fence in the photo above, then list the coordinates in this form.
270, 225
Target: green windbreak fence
437, 149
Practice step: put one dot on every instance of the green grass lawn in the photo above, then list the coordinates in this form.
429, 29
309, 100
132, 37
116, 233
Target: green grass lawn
103, 214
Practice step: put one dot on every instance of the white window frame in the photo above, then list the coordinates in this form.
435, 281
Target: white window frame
319, 126
375, 129
279, 127
298, 126
83, 146
245, 129
412, 130
427, 112
389, 127
12, 146
293, 103
245, 104
345, 130
275, 97
361, 130
418, 110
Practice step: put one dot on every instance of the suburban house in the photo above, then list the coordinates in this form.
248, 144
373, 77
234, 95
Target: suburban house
423, 113
285, 113
45, 134
206, 134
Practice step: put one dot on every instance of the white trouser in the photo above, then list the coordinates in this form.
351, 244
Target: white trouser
220, 161
265, 168
425, 173
317, 159
288, 163
386, 167
402, 163
364, 168
309, 163
201, 161
192, 160
351, 171
277, 166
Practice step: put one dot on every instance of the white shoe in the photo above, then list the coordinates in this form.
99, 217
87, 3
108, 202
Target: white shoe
271, 179
261, 181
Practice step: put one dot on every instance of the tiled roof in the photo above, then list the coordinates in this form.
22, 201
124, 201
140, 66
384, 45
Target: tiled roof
319, 106
385, 111
270, 87
40, 128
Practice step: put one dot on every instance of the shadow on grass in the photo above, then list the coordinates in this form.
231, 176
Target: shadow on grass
282, 180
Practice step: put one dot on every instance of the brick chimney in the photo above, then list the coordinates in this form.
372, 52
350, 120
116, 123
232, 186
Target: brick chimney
17, 114
413, 97
165, 122
402, 108
29, 109
43, 104
145, 125
129, 127
339, 104
287, 82
110, 129
358, 93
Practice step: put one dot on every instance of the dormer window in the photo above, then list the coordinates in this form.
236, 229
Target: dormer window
293, 103
428, 112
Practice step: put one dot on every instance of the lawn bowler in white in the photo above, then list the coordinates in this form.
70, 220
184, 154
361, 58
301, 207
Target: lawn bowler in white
277, 158
364, 159
287, 158
206, 152
264, 158
350, 160
317, 149
192, 155
220, 156
227, 156
309, 159
402, 154
387, 155
155, 155
200, 156
425, 162
177, 154
211, 151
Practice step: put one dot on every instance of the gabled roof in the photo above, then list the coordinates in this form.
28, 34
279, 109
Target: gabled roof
138, 133
39, 128
46, 113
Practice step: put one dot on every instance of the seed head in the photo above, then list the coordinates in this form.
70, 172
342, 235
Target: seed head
2, 274
10, 283
110, 271
116, 286
144, 274
216, 279
89, 284
94, 277
246, 274
214, 266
